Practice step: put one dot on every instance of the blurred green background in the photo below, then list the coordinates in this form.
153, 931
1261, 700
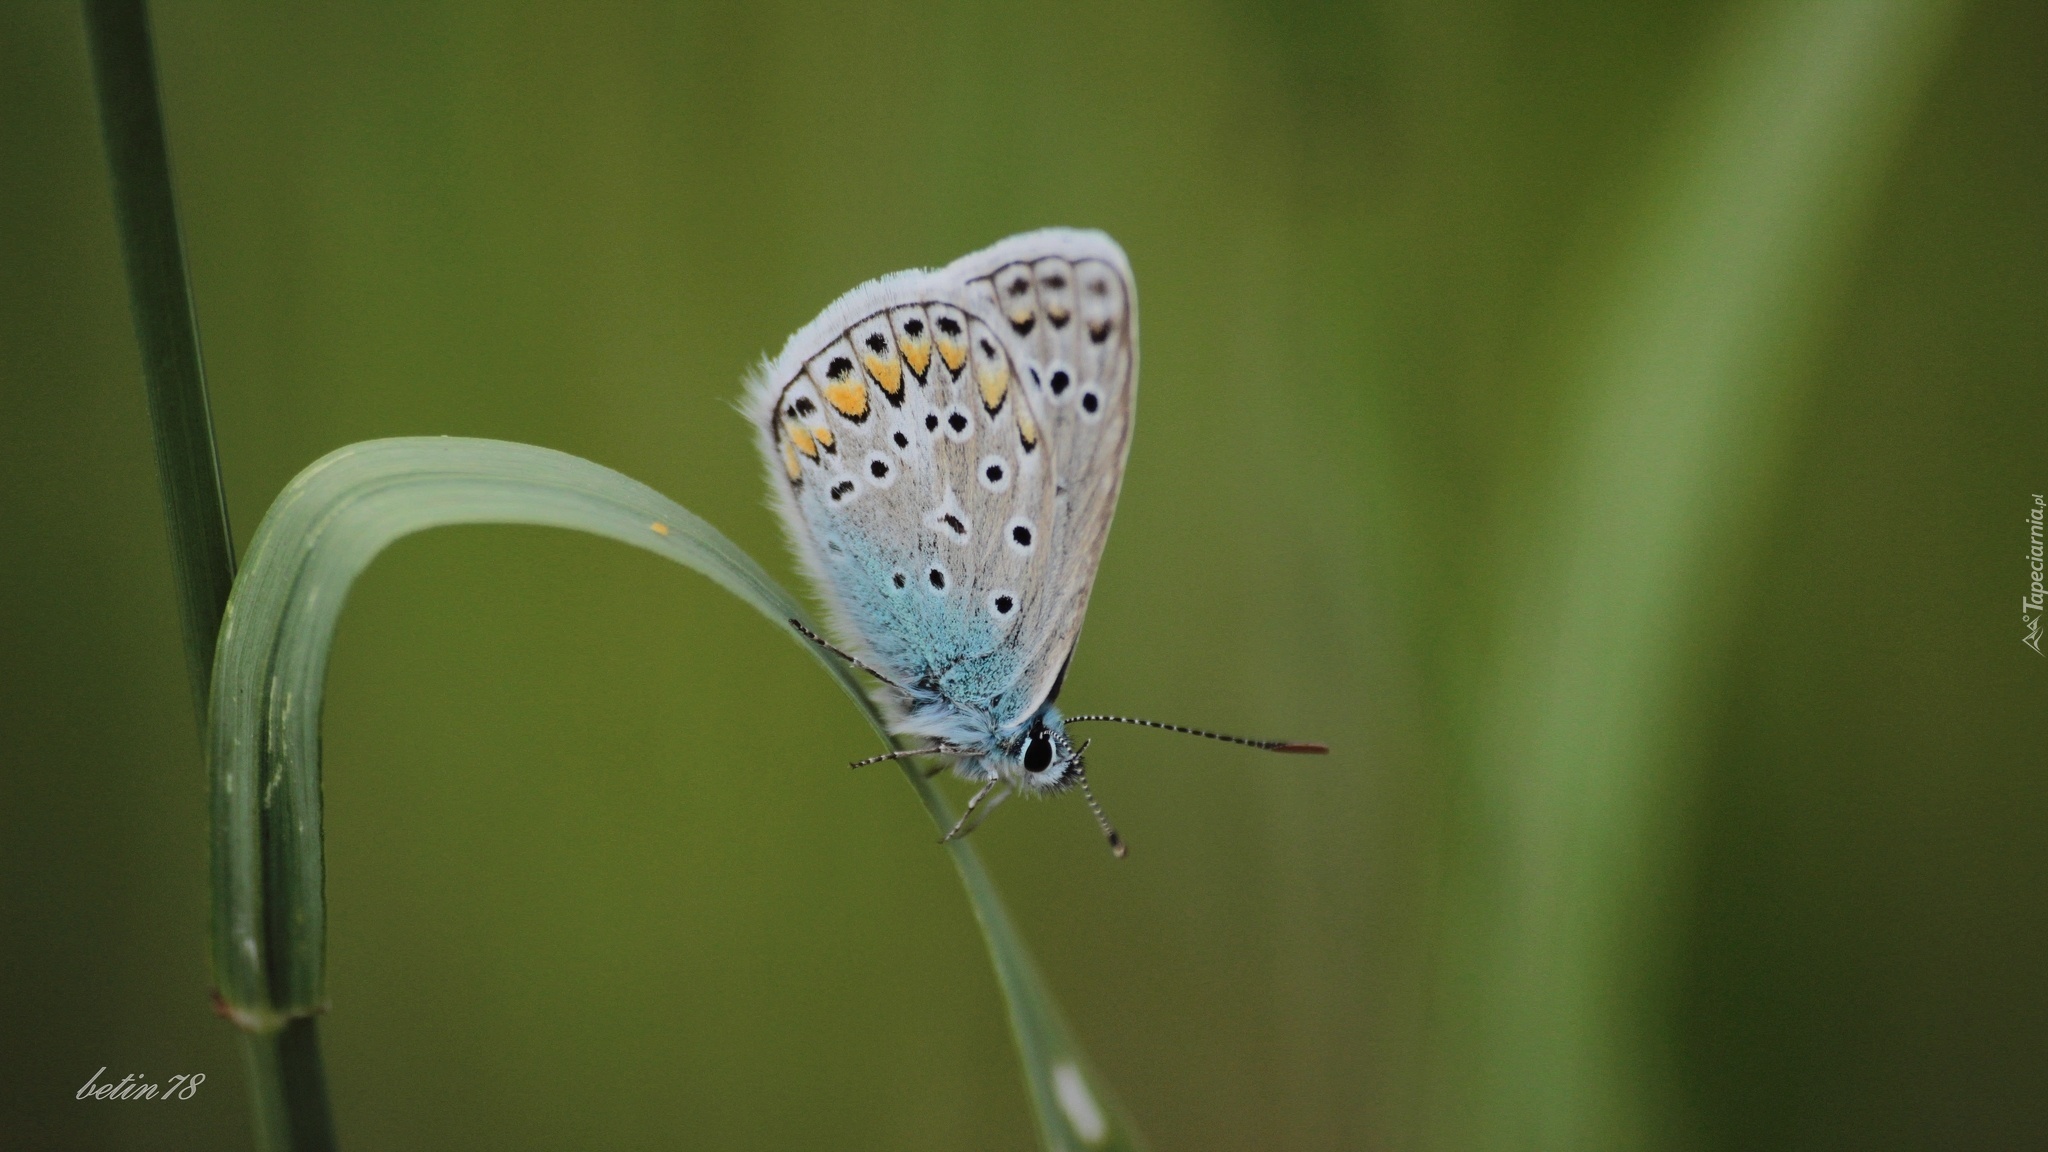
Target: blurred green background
597, 875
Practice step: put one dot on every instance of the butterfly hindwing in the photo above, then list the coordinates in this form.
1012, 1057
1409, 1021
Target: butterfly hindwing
948, 447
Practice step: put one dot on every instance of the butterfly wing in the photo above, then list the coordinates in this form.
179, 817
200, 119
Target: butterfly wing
1064, 301
947, 449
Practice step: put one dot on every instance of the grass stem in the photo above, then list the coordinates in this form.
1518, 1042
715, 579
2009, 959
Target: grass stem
166, 328
1685, 375
285, 1070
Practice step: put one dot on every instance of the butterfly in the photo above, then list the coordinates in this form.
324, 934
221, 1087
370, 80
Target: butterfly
945, 449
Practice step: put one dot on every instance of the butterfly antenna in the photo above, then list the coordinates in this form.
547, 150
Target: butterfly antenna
1117, 847
1264, 745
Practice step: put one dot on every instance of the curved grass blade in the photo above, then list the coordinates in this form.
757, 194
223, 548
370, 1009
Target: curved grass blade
331, 521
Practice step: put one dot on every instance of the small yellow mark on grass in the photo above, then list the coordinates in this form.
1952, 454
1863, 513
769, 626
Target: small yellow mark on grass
659, 527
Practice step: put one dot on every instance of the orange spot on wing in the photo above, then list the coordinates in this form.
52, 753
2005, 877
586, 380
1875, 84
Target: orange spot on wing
850, 396
801, 439
919, 354
954, 354
796, 471
995, 384
887, 372
824, 435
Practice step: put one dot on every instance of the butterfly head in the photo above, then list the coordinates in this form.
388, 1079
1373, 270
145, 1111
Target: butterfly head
1042, 759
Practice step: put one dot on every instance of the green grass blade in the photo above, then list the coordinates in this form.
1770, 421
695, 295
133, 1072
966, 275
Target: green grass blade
138, 161
321, 533
285, 1075
1683, 377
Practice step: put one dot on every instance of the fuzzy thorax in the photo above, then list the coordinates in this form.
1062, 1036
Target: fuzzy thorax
1035, 756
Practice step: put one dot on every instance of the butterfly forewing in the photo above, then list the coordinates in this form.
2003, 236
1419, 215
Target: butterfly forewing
948, 447
1069, 312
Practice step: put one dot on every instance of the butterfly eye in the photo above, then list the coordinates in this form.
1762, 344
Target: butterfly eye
1038, 753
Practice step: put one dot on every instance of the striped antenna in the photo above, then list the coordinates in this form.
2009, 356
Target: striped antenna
1264, 745
1117, 847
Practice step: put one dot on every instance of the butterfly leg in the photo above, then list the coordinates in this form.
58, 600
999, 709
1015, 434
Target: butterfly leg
828, 646
962, 827
907, 753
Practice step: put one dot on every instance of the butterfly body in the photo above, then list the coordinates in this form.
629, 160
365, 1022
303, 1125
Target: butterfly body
946, 449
